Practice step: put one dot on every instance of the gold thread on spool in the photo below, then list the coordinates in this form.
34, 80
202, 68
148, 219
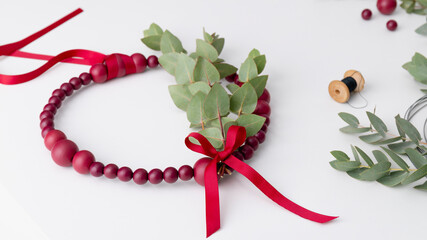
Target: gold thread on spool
340, 91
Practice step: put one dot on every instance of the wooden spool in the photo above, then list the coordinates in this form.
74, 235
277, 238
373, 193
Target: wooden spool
340, 92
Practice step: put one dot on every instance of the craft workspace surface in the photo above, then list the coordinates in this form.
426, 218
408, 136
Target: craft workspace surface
133, 121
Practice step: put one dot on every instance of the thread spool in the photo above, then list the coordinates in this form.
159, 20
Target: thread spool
340, 91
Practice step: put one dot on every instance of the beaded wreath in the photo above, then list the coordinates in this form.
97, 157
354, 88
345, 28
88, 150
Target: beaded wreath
224, 157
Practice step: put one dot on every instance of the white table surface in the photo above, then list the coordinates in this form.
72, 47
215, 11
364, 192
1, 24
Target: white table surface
133, 121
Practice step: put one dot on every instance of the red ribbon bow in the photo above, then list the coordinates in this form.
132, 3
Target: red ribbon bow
235, 138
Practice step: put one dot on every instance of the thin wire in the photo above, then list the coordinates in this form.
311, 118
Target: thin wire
366, 102
414, 109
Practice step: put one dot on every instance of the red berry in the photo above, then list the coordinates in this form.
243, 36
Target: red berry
386, 7
391, 25
366, 14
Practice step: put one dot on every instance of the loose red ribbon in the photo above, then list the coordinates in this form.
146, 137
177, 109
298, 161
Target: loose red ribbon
235, 138
77, 56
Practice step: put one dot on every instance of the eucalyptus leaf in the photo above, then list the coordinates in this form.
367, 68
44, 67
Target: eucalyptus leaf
233, 87
248, 70
380, 156
218, 44
344, 166
422, 30
377, 123
170, 43
365, 156
206, 50
409, 129
387, 141
206, 71
181, 96
199, 87
376, 171
195, 109
340, 155
417, 68
355, 154
254, 53
184, 71
244, 100
416, 158
208, 38
350, 129
394, 179
217, 103
371, 138
397, 159
226, 123
349, 118
417, 175
152, 42
154, 30
260, 62
169, 62
401, 147
259, 84
251, 122
214, 136
399, 129
422, 186
225, 69
355, 173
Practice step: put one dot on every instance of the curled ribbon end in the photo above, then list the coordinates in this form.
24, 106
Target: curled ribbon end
327, 219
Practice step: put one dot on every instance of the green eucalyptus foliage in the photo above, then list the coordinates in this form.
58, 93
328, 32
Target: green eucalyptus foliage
396, 149
198, 90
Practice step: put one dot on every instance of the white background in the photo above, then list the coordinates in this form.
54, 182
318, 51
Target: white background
133, 121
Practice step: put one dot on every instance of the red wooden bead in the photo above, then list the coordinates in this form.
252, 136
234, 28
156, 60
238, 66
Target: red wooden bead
199, 170
152, 61
155, 176
262, 107
55, 101
110, 171
47, 122
265, 96
260, 136
125, 174
46, 130
50, 107
63, 152
170, 175
140, 176
86, 78
267, 119
59, 93
46, 114
140, 62
52, 137
185, 172
264, 128
76, 83
96, 169
82, 161
67, 88
253, 142
247, 152
230, 78
238, 155
99, 73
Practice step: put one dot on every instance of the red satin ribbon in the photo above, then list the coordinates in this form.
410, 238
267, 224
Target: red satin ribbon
77, 56
235, 138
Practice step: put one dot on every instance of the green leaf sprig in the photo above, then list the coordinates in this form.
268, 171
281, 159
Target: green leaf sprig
397, 148
198, 90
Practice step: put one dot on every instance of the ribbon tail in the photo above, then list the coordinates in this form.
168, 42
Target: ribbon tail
212, 199
272, 193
